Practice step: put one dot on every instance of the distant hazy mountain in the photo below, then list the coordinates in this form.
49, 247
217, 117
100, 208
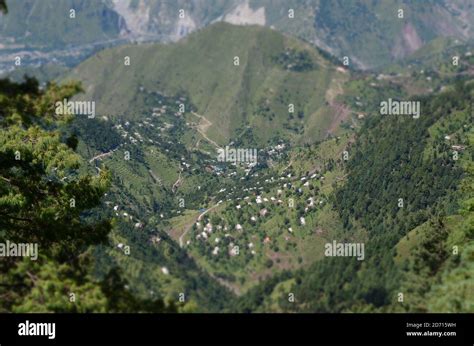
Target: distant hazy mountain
370, 32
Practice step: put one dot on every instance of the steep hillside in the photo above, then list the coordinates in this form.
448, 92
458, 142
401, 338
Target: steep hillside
278, 83
416, 251
374, 33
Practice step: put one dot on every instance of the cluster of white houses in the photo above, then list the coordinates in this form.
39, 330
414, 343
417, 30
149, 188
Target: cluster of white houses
204, 230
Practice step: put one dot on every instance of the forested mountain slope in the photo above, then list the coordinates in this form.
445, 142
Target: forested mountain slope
410, 189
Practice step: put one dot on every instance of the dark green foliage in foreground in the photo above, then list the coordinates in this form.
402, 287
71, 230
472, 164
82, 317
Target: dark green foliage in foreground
46, 199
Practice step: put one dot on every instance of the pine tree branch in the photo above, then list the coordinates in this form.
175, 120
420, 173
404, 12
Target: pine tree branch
5, 179
18, 218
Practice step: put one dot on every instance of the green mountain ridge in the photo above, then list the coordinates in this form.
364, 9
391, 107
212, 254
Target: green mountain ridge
257, 93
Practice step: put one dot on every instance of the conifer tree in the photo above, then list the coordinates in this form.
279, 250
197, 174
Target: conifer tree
47, 197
